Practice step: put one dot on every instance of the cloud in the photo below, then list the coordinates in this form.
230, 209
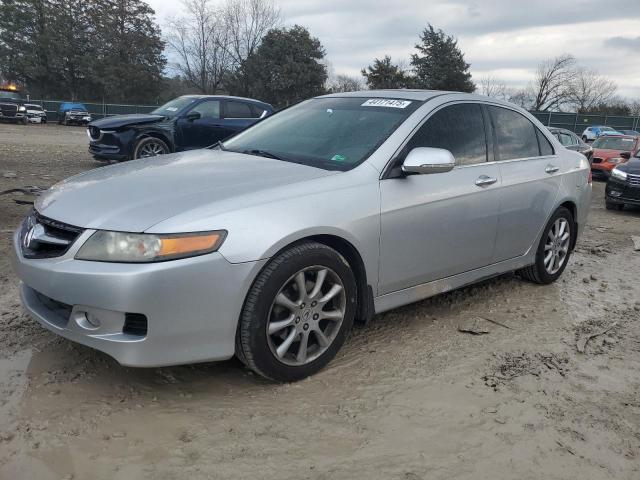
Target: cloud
623, 42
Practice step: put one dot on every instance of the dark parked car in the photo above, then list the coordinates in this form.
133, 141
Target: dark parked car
73, 114
185, 123
571, 141
12, 108
623, 186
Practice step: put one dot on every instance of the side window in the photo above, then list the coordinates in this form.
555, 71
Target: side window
545, 145
516, 135
208, 109
457, 128
237, 110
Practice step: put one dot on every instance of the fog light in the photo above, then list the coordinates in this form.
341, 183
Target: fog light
87, 320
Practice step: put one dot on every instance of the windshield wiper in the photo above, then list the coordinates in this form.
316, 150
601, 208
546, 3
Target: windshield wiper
263, 153
220, 145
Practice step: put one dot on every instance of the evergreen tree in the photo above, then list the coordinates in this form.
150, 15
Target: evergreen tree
384, 74
440, 63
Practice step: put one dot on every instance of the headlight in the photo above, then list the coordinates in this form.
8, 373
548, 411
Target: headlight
619, 174
122, 247
615, 160
22, 108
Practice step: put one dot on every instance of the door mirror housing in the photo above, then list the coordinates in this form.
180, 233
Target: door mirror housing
427, 160
625, 155
191, 116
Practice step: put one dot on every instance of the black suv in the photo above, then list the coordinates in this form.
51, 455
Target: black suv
12, 107
187, 122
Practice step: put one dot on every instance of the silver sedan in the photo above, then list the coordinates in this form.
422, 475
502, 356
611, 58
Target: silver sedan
270, 245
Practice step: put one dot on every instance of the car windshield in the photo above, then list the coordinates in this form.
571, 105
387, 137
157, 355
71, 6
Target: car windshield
171, 109
329, 133
10, 95
606, 129
614, 143
33, 107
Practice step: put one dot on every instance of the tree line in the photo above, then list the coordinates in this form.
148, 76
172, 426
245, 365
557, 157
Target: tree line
114, 51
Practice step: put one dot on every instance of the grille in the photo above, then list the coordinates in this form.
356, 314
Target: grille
633, 180
42, 237
135, 324
8, 109
597, 160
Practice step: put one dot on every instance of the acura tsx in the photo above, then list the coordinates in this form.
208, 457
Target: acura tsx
272, 243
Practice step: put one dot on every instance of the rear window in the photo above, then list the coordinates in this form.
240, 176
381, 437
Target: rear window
615, 143
237, 110
516, 135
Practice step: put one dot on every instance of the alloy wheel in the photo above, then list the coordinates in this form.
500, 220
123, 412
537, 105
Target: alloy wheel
306, 315
556, 247
151, 149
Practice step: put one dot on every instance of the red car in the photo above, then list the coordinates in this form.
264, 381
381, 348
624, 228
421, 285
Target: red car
612, 150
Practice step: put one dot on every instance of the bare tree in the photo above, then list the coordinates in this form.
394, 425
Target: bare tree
345, 83
246, 22
551, 88
491, 86
522, 98
634, 106
200, 41
589, 89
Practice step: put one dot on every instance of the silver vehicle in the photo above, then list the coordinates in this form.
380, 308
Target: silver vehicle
269, 245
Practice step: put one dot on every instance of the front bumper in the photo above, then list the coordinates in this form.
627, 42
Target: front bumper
192, 305
622, 193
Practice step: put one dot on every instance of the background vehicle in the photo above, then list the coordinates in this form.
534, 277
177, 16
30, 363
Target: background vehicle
73, 114
35, 113
610, 151
270, 245
623, 186
593, 132
571, 141
12, 107
630, 132
187, 122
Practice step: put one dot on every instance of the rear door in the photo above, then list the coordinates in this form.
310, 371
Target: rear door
531, 175
238, 115
435, 226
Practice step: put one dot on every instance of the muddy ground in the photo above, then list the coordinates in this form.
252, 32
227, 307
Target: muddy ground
408, 397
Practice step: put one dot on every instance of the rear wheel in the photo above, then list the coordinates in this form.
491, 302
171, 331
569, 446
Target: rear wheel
297, 313
150, 147
553, 250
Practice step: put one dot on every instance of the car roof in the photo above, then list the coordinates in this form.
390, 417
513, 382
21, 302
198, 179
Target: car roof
33, 105
228, 97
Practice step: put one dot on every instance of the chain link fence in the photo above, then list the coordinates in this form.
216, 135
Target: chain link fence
577, 122
97, 110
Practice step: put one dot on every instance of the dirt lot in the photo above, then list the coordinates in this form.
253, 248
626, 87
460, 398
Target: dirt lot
409, 397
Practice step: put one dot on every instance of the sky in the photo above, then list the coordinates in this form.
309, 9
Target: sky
502, 38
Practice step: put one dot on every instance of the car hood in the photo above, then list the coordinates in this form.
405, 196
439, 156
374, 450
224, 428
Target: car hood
119, 121
632, 166
136, 195
606, 153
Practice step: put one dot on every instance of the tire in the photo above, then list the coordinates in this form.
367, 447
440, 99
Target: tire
147, 146
585, 139
271, 330
540, 272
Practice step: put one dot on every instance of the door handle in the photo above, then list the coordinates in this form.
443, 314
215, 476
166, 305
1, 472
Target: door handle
551, 169
484, 181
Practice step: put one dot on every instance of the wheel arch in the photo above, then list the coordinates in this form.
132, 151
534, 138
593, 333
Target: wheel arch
154, 134
573, 208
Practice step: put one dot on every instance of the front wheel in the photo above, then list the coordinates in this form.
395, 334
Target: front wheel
150, 147
297, 313
553, 250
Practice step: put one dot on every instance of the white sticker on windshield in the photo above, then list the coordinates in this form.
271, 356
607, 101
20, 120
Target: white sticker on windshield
386, 102
171, 109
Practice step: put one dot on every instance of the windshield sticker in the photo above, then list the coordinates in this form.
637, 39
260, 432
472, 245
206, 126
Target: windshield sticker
386, 102
171, 109
338, 158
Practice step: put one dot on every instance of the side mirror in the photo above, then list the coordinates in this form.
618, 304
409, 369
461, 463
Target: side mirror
191, 116
426, 160
625, 155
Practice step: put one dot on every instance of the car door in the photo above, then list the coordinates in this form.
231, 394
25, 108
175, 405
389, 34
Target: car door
238, 115
203, 131
531, 175
438, 225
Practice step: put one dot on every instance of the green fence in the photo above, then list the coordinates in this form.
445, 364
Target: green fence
97, 110
577, 122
